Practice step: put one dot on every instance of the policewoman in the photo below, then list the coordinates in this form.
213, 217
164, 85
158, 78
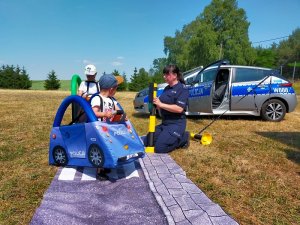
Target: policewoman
172, 103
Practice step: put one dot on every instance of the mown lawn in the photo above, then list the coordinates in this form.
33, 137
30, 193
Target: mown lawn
252, 167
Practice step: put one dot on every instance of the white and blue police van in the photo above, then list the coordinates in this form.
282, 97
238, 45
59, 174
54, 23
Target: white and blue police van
224, 89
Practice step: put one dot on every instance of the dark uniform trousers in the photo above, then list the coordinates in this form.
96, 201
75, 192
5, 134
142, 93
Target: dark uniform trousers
169, 135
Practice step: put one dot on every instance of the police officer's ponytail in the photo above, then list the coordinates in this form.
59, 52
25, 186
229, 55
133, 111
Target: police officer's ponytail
174, 69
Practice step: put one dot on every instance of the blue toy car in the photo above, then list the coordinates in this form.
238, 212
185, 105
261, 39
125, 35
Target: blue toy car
92, 143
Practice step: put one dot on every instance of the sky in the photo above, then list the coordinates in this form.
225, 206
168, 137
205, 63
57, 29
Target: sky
66, 35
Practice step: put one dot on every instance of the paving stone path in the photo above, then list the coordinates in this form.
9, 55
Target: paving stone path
180, 199
153, 190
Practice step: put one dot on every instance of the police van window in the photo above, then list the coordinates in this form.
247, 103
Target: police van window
197, 78
209, 75
189, 81
143, 93
248, 74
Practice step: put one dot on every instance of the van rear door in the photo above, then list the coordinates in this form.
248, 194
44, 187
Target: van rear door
248, 89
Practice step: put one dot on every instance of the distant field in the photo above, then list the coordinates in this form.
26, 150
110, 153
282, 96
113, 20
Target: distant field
39, 85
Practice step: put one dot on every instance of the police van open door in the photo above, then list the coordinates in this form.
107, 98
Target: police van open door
200, 93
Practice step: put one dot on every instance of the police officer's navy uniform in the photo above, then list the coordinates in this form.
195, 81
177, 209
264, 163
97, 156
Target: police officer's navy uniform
170, 134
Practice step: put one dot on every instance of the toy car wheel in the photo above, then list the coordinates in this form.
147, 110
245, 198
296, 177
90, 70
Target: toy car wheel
96, 156
273, 110
60, 156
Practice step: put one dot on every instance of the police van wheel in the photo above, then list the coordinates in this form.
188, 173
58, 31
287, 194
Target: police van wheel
60, 156
95, 155
273, 110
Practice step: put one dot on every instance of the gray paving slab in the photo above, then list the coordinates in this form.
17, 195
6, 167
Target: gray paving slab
181, 200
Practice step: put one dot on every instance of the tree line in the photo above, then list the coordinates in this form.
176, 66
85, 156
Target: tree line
14, 77
219, 32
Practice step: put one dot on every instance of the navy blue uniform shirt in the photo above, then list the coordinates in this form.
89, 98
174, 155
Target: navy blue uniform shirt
178, 95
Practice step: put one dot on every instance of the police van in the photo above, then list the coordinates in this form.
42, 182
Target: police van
224, 89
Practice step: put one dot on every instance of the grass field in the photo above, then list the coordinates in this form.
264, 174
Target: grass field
39, 85
252, 167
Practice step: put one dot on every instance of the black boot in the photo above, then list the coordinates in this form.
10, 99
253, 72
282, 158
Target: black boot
185, 142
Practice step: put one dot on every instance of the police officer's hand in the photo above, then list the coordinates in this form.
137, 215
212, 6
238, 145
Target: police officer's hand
157, 102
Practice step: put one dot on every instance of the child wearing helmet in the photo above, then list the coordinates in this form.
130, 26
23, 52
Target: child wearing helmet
90, 86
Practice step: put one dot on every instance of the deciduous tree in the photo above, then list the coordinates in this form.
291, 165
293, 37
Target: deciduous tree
221, 31
139, 80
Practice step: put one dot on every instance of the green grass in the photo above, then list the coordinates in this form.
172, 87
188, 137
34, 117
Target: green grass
65, 85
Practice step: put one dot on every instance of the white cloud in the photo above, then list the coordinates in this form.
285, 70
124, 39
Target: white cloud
2, 61
86, 61
117, 63
120, 57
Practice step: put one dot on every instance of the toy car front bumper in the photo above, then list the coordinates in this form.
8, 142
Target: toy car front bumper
131, 157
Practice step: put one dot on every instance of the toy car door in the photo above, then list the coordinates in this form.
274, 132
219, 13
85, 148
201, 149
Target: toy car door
74, 138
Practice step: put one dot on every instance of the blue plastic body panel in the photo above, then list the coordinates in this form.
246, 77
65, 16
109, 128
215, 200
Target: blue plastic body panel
116, 140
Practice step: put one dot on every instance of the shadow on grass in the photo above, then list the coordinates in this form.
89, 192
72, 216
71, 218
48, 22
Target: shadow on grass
225, 117
204, 117
289, 138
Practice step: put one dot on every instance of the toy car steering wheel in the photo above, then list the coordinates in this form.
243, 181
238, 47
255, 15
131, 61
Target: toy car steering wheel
119, 116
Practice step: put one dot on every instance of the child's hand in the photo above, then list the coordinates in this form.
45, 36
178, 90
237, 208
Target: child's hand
109, 114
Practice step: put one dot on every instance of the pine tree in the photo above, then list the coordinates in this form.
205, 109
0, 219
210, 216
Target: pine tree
139, 80
25, 82
52, 83
133, 81
14, 77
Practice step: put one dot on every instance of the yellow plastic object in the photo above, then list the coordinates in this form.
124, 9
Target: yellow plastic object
206, 139
152, 123
192, 135
149, 149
